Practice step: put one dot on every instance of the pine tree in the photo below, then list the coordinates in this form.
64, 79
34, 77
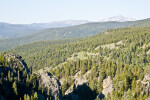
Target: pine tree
129, 95
57, 72
89, 64
99, 86
83, 70
9, 76
133, 85
64, 87
32, 97
35, 96
28, 97
14, 86
56, 98
108, 96
39, 85
126, 84
25, 97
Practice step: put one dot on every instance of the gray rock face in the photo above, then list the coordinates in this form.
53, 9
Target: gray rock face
15, 59
107, 86
147, 77
15, 62
146, 82
51, 83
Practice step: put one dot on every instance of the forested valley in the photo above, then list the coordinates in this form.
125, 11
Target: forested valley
112, 65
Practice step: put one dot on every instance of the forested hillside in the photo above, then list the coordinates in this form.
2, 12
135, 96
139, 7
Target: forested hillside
84, 30
8, 30
16, 30
112, 65
17, 82
102, 54
60, 50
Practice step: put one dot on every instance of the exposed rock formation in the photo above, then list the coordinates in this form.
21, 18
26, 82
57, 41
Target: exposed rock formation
78, 80
50, 82
15, 71
147, 77
146, 82
12, 70
14, 59
107, 87
15, 65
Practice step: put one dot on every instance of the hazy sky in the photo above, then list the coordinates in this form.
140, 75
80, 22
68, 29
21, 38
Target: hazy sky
35, 11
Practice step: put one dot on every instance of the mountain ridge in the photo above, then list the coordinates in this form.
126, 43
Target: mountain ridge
8, 30
78, 31
58, 24
118, 18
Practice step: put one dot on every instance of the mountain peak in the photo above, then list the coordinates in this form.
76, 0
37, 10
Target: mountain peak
118, 18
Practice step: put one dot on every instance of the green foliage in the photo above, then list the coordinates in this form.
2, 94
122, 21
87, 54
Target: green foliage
18, 83
126, 63
35, 96
14, 86
65, 86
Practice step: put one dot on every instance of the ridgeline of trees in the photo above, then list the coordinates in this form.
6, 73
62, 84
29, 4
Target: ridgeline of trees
84, 30
17, 82
126, 63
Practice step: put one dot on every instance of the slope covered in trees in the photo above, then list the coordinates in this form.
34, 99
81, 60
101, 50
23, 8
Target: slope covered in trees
16, 30
118, 56
17, 82
122, 55
127, 65
84, 30
51, 53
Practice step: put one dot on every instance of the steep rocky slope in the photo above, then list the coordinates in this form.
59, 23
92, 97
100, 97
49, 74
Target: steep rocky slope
51, 83
18, 82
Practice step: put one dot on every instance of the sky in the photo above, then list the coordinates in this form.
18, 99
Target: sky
43, 11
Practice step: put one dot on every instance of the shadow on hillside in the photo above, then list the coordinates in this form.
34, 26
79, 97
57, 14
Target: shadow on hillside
101, 96
81, 92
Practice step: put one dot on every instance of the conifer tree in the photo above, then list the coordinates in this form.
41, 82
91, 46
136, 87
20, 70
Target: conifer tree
35, 96
14, 86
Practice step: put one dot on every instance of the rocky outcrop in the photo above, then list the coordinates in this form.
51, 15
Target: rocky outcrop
51, 83
15, 65
78, 80
15, 71
107, 87
147, 77
15, 61
146, 82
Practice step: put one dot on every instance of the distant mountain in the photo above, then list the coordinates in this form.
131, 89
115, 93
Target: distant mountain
119, 18
58, 24
84, 30
17, 30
